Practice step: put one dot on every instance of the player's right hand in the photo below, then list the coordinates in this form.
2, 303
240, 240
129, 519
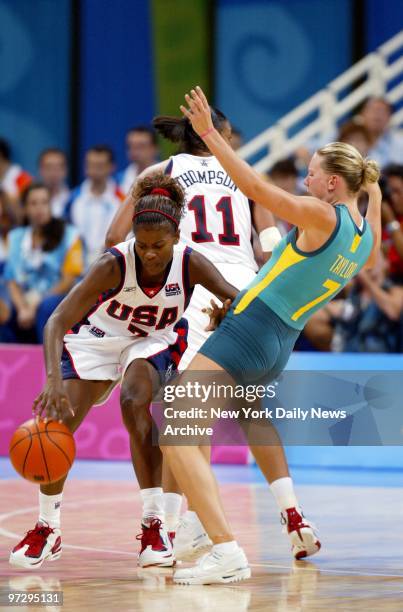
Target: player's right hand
53, 403
216, 313
198, 111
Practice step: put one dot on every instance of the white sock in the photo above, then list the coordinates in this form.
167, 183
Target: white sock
226, 548
191, 516
153, 503
283, 491
49, 509
173, 505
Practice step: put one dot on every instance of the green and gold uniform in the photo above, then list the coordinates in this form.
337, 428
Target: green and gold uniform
256, 338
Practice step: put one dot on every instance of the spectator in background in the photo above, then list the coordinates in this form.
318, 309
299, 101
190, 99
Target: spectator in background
392, 219
53, 170
356, 134
13, 179
93, 205
142, 152
386, 142
6, 223
44, 261
236, 138
284, 174
369, 320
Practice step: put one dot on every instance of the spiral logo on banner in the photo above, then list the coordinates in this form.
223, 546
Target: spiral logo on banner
264, 58
283, 63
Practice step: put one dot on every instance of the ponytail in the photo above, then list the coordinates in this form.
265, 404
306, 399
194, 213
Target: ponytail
370, 171
179, 130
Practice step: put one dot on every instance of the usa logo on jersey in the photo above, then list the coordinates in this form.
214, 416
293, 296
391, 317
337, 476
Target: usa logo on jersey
172, 289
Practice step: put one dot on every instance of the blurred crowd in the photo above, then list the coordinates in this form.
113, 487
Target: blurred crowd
50, 233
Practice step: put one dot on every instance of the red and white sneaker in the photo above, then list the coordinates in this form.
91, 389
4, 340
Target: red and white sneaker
304, 541
156, 546
40, 544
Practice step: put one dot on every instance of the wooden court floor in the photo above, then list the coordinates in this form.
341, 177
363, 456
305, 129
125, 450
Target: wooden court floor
359, 567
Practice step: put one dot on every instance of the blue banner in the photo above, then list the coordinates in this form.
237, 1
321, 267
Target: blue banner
116, 81
383, 20
34, 76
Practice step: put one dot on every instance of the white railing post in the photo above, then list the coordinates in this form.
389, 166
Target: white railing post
277, 142
377, 74
326, 113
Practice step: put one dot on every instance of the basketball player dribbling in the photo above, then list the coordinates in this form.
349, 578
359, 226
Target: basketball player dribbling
218, 223
330, 243
123, 322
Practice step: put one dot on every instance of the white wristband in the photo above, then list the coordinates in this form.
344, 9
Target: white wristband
269, 237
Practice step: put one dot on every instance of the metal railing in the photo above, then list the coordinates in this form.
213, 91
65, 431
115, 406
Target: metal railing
375, 74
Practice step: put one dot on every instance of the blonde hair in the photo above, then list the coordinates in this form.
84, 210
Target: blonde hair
344, 160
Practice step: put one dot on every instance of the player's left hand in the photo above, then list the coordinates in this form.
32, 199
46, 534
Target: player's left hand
198, 113
216, 313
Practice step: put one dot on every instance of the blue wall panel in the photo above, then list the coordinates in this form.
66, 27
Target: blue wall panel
116, 83
273, 54
383, 20
34, 76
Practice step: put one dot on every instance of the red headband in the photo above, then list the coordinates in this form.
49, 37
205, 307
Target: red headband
157, 212
161, 191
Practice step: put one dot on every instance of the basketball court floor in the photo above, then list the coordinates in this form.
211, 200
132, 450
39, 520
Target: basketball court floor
358, 514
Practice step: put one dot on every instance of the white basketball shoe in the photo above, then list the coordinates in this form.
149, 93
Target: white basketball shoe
216, 568
191, 539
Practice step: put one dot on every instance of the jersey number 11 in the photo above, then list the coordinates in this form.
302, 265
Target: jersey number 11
228, 237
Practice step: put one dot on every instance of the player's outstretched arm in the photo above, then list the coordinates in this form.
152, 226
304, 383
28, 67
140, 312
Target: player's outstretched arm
305, 212
103, 275
122, 221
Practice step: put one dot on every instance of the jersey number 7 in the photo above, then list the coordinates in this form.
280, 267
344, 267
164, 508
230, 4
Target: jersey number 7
228, 237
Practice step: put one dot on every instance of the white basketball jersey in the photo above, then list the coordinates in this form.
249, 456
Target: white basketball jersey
135, 311
218, 220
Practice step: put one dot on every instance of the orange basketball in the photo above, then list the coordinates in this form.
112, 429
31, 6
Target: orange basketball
42, 452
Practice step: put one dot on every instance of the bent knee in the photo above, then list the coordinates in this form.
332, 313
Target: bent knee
135, 403
136, 414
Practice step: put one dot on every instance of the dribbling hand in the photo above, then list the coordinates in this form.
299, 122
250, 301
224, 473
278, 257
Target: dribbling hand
198, 113
52, 403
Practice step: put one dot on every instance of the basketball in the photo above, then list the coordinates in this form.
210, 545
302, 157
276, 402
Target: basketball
42, 452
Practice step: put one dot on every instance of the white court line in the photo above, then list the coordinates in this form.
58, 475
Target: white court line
323, 570
12, 535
